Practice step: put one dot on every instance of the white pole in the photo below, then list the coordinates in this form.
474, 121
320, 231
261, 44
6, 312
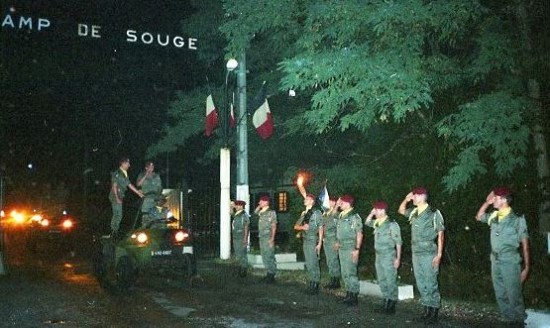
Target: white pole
225, 204
243, 192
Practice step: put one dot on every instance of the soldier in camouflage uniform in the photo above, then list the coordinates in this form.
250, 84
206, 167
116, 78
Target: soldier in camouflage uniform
427, 239
310, 223
240, 227
330, 219
150, 184
267, 228
119, 184
349, 233
387, 245
508, 233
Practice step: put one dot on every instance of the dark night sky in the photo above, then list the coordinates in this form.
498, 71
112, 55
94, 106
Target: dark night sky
70, 102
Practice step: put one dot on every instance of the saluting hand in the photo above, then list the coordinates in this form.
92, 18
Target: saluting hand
490, 198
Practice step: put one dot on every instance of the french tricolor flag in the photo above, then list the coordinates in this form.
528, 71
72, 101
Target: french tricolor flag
263, 121
211, 116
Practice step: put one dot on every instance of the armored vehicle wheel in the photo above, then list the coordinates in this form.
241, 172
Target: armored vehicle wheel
190, 265
125, 272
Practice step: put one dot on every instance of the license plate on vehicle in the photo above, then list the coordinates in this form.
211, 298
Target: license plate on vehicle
161, 253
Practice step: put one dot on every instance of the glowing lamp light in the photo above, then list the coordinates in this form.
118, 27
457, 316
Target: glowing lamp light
300, 180
45, 222
36, 217
231, 64
142, 237
17, 217
180, 236
67, 224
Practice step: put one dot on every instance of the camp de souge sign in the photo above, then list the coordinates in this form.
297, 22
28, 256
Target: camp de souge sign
14, 22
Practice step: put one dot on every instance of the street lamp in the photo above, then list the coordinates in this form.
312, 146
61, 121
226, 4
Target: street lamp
225, 174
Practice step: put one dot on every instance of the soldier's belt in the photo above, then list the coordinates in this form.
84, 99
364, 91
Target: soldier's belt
504, 253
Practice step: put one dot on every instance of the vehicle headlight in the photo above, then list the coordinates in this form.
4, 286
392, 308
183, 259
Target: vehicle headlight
18, 217
181, 236
45, 222
67, 224
142, 237
36, 217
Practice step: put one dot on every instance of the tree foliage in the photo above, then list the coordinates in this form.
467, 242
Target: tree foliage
448, 68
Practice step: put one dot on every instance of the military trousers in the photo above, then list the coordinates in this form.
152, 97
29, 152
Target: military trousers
312, 260
386, 274
348, 269
240, 250
506, 277
117, 215
268, 255
426, 279
148, 203
331, 257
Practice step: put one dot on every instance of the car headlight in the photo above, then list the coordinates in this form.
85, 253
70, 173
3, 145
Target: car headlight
36, 218
67, 224
45, 222
181, 236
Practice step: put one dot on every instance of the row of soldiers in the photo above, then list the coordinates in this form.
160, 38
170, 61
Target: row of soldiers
338, 231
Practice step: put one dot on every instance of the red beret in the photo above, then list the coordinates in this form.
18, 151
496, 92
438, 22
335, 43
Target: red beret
380, 205
264, 198
419, 191
240, 203
347, 199
502, 191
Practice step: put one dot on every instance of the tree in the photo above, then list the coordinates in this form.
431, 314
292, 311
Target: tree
454, 64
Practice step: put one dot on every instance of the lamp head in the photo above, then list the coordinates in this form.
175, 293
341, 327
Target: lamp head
231, 64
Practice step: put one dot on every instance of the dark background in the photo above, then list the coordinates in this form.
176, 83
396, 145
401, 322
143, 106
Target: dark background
72, 105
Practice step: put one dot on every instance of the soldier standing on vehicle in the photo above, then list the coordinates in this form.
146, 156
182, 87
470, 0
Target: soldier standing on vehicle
150, 184
119, 184
387, 246
427, 240
508, 233
349, 233
330, 219
267, 228
240, 227
310, 223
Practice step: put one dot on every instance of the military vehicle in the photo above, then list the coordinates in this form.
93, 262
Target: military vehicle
161, 246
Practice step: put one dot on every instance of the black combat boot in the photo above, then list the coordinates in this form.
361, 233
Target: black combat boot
346, 299
270, 278
424, 316
333, 284
308, 289
352, 301
383, 308
314, 290
391, 307
432, 317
